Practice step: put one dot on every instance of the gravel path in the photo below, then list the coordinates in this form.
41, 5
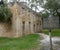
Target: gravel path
45, 42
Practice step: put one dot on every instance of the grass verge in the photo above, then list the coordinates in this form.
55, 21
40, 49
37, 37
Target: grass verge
54, 32
22, 43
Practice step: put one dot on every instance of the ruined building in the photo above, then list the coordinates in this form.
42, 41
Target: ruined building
24, 21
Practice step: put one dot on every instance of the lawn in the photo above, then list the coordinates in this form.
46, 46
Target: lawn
22, 43
54, 32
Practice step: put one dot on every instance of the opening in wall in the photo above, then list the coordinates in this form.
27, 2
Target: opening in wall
37, 27
29, 26
23, 27
34, 27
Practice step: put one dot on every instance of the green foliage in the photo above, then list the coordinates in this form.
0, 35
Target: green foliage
5, 13
53, 6
44, 15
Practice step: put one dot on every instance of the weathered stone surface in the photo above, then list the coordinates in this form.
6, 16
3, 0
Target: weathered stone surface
23, 22
54, 22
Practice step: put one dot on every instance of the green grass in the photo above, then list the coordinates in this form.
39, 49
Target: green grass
54, 32
26, 42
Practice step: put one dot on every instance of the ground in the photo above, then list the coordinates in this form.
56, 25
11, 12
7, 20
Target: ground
27, 42
21, 43
54, 32
45, 42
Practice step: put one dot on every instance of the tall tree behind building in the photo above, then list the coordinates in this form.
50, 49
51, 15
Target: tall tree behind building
5, 12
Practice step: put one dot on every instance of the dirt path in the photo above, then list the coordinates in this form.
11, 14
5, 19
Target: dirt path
45, 42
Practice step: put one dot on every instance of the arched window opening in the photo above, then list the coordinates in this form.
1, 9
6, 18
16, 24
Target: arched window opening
29, 26
23, 27
34, 27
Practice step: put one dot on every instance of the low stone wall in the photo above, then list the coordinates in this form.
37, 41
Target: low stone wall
4, 29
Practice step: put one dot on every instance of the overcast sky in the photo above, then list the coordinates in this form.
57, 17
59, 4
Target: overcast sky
38, 10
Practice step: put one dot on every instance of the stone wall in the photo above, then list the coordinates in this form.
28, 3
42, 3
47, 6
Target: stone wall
5, 30
54, 22
23, 22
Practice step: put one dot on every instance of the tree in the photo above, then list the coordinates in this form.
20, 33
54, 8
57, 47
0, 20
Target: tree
50, 6
53, 6
5, 12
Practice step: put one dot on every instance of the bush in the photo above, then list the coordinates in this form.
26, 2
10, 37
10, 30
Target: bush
5, 13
